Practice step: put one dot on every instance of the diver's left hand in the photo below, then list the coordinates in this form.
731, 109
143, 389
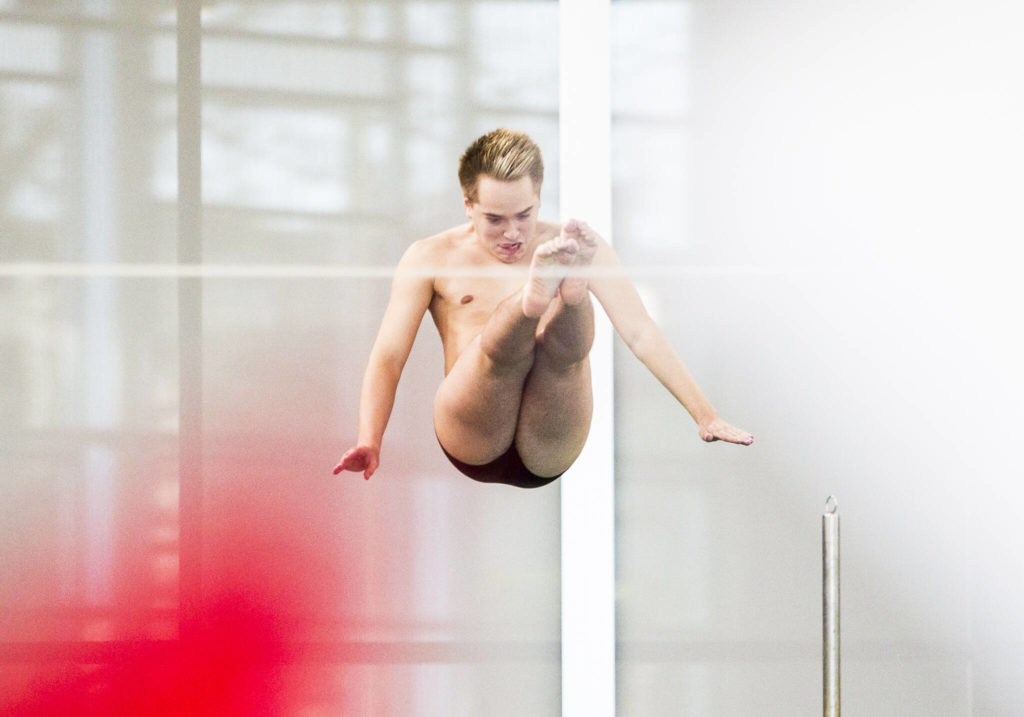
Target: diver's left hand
719, 430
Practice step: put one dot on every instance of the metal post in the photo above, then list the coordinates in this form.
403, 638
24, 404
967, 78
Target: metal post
830, 606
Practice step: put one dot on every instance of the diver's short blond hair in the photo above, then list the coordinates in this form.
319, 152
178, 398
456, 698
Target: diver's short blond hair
505, 155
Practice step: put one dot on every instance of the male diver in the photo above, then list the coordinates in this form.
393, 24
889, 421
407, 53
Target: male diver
510, 296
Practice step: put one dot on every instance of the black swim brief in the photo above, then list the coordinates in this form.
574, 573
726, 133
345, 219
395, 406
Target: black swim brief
507, 468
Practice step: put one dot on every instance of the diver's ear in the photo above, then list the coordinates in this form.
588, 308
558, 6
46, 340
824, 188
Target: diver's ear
469, 207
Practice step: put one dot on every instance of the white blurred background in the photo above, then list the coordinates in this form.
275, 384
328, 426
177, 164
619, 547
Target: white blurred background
821, 205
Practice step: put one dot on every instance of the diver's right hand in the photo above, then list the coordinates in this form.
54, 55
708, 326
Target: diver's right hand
360, 458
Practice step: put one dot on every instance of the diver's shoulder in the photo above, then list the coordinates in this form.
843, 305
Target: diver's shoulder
431, 249
448, 240
548, 230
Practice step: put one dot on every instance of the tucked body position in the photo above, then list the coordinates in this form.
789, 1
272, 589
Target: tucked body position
510, 296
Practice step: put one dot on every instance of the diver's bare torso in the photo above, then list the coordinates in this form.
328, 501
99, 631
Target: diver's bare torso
464, 300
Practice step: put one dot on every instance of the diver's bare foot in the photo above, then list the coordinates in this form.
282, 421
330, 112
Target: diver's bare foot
550, 262
574, 286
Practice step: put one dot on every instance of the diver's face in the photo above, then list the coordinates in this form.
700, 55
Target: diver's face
505, 216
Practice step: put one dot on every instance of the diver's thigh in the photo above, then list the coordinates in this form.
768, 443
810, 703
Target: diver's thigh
477, 406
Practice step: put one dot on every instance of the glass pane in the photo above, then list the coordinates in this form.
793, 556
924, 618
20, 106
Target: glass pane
89, 399
336, 154
814, 205
330, 139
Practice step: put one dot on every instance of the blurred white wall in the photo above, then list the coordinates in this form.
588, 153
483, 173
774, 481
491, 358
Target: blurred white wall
839, 186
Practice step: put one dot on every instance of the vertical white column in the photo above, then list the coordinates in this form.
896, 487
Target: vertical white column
588, 489
190, 318
102, 338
